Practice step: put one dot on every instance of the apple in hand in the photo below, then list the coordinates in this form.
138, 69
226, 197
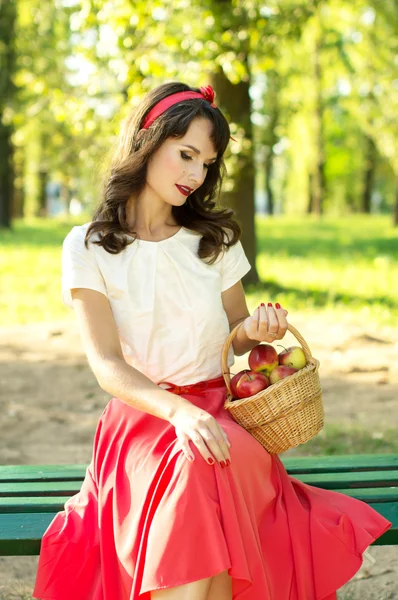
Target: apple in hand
251, 383
281, 372
235, 380
293, 357
263, 358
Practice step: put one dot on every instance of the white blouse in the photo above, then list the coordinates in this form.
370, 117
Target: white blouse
165, 300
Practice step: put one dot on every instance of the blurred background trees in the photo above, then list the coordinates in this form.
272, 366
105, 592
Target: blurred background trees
310, 89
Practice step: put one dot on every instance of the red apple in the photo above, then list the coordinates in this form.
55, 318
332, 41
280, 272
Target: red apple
281, 372
251, 383
235, 380
263, 358
293, 357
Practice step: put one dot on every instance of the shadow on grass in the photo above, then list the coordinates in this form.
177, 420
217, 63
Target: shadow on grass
360, 235
319, 298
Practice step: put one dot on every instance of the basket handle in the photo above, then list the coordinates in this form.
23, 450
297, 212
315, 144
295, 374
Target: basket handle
230, 338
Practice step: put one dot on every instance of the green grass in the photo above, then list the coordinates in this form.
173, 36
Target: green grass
338, 438
347, 267
30, 271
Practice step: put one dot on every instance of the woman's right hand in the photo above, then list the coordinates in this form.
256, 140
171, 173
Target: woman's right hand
195, 424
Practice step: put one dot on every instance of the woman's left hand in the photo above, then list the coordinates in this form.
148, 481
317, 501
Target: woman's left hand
267, 323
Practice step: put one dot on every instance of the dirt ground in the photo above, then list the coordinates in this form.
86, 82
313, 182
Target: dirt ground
51, 402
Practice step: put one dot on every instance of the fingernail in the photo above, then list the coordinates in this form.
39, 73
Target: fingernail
277, 305
222, 463
210, 461
190, 457
269, 303
228, 462
262, 304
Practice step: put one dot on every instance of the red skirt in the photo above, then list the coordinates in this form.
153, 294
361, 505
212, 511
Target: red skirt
146, 518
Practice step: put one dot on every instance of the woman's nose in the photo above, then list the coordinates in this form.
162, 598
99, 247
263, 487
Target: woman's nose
196, 176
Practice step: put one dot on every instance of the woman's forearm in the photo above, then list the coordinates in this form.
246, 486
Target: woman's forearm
241, 343
126, 383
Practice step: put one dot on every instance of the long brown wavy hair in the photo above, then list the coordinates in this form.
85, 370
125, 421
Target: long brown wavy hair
126, 175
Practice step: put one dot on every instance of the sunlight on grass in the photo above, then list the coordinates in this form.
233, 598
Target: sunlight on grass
347, 267
30, 271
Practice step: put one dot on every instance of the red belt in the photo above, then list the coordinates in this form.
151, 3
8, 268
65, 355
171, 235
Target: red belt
200, 386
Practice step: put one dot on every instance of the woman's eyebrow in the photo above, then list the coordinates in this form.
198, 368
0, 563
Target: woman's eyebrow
197, 151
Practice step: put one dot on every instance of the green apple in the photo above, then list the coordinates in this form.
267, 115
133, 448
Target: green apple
292, 357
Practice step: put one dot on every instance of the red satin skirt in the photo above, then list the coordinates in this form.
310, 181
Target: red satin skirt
146, 518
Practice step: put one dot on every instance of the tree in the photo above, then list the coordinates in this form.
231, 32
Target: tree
7, 68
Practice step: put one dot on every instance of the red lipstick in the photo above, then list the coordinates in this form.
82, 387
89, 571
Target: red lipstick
183, 190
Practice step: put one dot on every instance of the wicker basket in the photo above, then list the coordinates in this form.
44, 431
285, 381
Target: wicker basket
287, 413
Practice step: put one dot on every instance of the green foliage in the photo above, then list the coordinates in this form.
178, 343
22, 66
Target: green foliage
81, 66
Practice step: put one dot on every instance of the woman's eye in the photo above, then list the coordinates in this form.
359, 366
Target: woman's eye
186, 157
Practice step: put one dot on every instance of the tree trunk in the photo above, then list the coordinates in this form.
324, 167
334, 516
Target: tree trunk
6, 176
310, 198
271, 137
18, 193
268, 180
319, 182
234, 100
369, 173
7, 60
42, 198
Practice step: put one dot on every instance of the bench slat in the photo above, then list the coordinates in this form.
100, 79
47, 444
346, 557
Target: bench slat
364, 479
32, 504
26, 504
48, 488
300, 464
9, 473
340, 463
20, 534
31, 495
373, 479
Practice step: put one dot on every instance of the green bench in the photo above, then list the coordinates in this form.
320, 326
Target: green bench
30, 496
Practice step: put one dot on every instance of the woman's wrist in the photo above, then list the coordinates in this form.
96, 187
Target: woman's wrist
241, 342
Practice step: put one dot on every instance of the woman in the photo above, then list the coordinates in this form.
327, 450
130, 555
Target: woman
179, 502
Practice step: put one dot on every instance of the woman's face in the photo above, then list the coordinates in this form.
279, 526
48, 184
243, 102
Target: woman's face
174, 164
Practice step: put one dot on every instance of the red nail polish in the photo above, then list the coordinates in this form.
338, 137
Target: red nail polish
211, 461
262, 304
269, 303
277, 305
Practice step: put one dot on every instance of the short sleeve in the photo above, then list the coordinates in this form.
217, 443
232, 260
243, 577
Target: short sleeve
234, 266
79, 266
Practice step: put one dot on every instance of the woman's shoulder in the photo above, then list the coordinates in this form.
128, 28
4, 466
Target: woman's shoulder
77, 234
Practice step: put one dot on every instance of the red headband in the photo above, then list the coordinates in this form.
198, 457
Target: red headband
206, 93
